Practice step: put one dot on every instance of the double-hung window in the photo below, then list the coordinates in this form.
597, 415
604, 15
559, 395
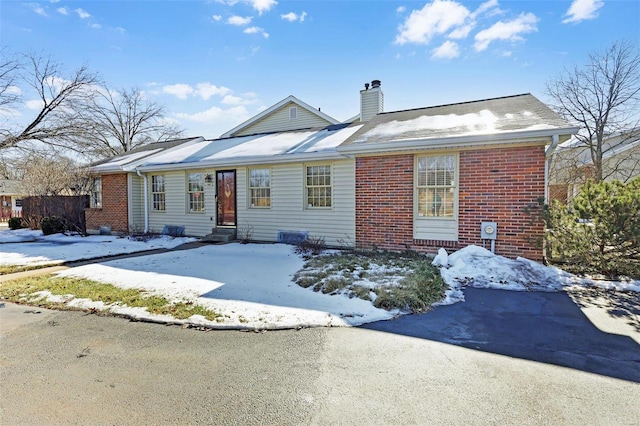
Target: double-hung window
158, 193
195, 189
318, 186
96, 194
260, 188
436, 186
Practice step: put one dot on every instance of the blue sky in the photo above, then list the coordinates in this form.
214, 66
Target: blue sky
214, 64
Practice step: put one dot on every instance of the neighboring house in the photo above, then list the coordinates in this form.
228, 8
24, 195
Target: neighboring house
572, 166
418, 179
11, 194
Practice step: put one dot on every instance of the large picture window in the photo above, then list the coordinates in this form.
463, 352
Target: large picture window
260, 188
318, 186
96, 194
157, 193
196, 192
436, 186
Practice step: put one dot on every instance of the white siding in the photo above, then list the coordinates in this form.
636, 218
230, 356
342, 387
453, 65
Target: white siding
136, 203
288, 213
196, 224
279, 121
435, 229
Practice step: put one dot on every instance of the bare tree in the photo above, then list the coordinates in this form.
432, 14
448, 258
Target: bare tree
604, 98
55, 122
45, 174
117, 122
9, 92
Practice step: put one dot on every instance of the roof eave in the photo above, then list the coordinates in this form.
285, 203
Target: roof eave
455, 141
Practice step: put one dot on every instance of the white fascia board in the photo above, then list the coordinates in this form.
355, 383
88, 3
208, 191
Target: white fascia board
273, 108
246, 161
506, 138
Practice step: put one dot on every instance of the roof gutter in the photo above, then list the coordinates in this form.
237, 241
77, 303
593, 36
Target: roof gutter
146, 200
453, 142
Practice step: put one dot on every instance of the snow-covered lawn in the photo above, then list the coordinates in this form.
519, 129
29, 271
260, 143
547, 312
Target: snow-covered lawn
251, 285
24, 247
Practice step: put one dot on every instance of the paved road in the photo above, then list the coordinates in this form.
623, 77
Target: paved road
74, 368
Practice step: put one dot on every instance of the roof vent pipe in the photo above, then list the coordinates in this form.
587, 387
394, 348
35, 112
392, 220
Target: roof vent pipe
375, 83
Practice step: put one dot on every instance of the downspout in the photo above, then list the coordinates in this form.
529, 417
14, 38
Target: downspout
547, 165
146, 200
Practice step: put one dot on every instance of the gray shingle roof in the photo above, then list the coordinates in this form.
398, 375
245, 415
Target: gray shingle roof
485, 117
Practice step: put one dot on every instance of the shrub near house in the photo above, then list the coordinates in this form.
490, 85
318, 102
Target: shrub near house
599, 232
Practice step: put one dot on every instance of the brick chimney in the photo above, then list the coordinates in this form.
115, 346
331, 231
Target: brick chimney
371, 101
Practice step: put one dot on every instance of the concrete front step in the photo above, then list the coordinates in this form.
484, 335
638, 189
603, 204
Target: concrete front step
220, 235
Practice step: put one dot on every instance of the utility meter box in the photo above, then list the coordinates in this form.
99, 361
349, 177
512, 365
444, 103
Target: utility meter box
488, 230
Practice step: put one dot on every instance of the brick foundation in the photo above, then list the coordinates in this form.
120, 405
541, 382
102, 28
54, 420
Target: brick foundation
495, 185
115, 207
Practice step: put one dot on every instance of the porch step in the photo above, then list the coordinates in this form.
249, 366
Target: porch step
220, 235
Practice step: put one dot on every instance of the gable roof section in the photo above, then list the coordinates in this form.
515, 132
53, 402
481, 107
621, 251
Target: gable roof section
269, 111
130, 159
11, 187
463, 124
281, 147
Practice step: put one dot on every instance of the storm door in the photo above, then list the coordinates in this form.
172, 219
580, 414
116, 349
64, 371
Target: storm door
226, 197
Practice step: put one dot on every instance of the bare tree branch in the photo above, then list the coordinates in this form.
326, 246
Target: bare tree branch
55, 120
604, 99
117, 122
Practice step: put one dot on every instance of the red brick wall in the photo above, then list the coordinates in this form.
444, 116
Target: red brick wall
115, 205
495, 185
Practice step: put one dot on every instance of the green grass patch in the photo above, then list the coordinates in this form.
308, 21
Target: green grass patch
405, 281
12, 269
417, 292
23, 291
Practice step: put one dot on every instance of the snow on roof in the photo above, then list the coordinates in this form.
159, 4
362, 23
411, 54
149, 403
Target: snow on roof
491, 116
265, 145
121, 160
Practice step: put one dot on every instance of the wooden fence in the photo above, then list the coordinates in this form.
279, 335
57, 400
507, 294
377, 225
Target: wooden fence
69, 208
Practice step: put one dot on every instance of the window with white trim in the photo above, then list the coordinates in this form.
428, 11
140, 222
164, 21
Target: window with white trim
436, 186
318, 186
96, 194
195, 189
259, 188
158, 193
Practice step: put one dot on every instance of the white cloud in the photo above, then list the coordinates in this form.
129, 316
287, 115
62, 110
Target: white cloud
35, 104
488, 6
262, 5
227, 2
213, 114
581, 10
239, 20
37, 8
437, 17
120, 30
217, 18
54, 1
82, 13
448, 50
249, 99
180, 91
462, 32
506, 30
207, 90
63, 10
293, 17
95, 26
401, 9
256, 30
13, 90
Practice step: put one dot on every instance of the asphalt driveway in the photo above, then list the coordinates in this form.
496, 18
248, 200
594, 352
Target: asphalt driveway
538, 326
